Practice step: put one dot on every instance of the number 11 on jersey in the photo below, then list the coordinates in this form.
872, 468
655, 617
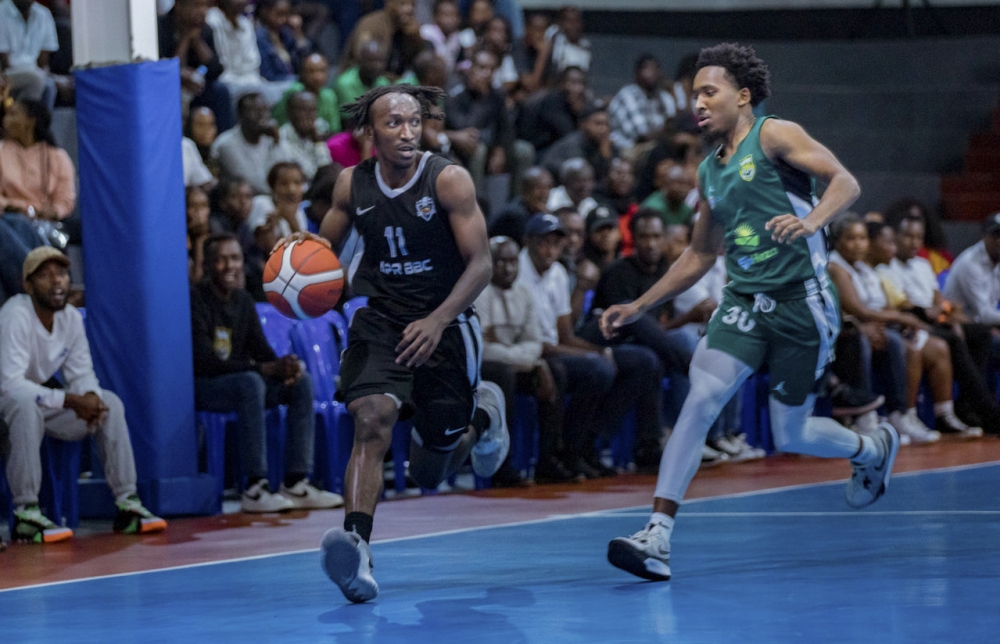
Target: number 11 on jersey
397, 242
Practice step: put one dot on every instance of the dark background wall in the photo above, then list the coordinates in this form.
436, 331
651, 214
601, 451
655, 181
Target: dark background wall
897, 112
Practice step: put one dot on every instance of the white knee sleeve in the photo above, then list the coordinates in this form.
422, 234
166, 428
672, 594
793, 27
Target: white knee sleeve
715, 377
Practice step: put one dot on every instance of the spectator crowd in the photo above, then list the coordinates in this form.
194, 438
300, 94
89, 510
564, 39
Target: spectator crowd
588, 199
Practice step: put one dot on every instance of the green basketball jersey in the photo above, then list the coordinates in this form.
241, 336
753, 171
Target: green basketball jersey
746, 193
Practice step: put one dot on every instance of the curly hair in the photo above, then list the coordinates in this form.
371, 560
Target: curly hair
742, 66
359, 112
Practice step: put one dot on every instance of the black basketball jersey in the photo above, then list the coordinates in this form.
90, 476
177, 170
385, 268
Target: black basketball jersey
411, 261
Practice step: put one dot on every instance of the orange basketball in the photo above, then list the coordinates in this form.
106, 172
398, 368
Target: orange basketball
303, 279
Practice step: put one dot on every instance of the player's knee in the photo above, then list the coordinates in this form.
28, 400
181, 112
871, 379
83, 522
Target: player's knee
373, 419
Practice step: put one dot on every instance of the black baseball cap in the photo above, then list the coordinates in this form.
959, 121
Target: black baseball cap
543, 224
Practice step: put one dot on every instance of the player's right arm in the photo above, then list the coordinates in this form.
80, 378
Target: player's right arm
691, 266
336, 223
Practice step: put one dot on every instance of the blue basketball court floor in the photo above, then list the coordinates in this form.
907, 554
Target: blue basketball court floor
788, 565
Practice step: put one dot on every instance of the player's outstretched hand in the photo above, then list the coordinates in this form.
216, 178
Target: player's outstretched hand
300, 237
617, 316
787, 228
420, 338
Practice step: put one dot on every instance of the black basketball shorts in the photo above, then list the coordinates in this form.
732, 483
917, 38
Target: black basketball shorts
440, 395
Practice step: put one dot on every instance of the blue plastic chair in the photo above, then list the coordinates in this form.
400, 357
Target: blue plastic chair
316, 344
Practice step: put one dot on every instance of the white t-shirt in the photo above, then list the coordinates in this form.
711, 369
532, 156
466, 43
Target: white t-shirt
195, 171
262, 208
709, 286
30, 355
917, 279
236, 46
866, 282
240, 159
974, 283
551, 294
24, 42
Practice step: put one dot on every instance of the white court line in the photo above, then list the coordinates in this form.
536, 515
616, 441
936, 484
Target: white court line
868, 513
630, 511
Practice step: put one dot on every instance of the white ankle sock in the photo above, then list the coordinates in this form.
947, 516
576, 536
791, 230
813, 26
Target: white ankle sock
664, 520
945, 408
868, 453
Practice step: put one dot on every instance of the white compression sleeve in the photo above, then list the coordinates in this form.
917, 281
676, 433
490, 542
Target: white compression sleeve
794, 430
715, 377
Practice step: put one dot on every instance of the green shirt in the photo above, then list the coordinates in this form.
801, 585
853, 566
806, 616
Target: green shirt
349, 85
328, 108
746, 193
670, 216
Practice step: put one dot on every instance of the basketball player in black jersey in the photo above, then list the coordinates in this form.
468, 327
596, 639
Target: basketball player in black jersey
416, 348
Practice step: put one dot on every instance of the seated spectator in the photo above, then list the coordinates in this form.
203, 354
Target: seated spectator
478, 126
442, 33
512, 358
198, 211
572, 258
510, 10
496, 39
479, 13
617, 192
585, 372
974, 279
639, 111
201, 130
674, 183
603, 382
911, 285
37, 183
590, 141
232, 201
40, 335
236, 42
935, 250
678, 143
531, 52
27, 39
430, 70
550, 116
280, 40
313, 78
368, 73
283, 206
196, 172
396, 29
305, 143
569, 48
249, 150
236, 370
601, 245
577, 187
184, 34
863, 298
683, 81
319, 196
535, 188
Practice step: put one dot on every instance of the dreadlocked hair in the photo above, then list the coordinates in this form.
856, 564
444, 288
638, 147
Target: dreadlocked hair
742, 64
359, 112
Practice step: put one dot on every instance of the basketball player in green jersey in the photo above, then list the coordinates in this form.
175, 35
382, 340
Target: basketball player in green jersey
779, 309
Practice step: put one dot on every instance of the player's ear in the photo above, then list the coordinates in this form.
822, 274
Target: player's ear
743, 96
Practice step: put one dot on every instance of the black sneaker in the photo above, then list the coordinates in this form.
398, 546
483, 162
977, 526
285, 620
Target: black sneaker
592, 468
31, 526
849, 401
508, 477
134, 518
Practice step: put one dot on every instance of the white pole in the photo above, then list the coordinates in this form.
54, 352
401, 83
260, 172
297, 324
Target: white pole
109, 32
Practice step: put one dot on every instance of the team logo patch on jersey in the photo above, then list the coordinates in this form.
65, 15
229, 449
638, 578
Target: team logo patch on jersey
747, 168
426, 208
745, 235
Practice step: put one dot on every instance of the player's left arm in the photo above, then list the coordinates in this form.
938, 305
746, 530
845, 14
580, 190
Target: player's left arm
789, 142
458, 197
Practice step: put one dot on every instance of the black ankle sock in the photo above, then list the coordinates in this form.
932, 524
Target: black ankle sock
480, 421
293, 478
360, 523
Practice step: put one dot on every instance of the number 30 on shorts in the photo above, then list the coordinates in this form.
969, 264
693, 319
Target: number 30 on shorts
739, 317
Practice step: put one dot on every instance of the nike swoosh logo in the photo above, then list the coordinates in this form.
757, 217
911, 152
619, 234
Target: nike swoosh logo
360, 212
449, 432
